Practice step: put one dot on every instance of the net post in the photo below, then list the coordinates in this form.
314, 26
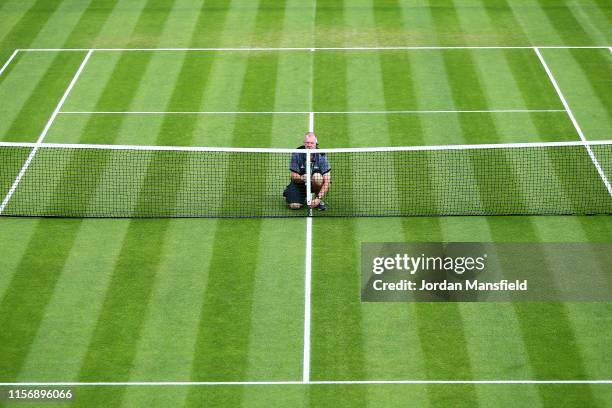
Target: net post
308, 182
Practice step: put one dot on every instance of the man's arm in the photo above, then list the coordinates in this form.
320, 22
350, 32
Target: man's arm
296, 178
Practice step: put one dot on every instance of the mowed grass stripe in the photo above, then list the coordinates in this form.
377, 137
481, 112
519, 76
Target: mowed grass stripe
488, 192
592, 20
562, 19
534, 85
497, 350
501, 62
165, 349
390, 351
165, 168
584, 78
556, 166
598, 19
27, 28
118, 30
122, 86
397, 77
173, 304
337, 335
129, 71
211, 22
395, 74
585, 317
90, 24
13, 249
113, 345
337, 344
603, 9
564, 186
596, 66
58, 24
440, 330
13, 12
19, 85
34, 113
29, 122
222, 346
23, 305
52, 268
437, 130
501, 21
493, 338
433, 339
32, 118
69, 318
276, 332
512, 164
52, 273
547, 332
277, 323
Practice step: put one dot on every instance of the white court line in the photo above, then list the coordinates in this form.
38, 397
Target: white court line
575, 122
8, 61
44, 133
307, 270
399, 48
382, 112
354, 382
307, 296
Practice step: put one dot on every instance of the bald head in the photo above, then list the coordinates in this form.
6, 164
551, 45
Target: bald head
310, 140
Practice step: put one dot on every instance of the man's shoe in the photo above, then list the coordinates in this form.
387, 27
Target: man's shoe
321, 206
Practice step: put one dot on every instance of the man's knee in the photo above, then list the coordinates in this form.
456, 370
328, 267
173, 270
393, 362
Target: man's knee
317, 180
295, 206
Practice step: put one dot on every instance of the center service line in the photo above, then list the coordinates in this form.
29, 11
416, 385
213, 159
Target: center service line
307, 292
307, 282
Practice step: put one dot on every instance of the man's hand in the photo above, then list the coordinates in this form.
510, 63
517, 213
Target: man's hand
315, 203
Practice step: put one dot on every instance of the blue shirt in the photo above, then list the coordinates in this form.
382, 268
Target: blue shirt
318, 165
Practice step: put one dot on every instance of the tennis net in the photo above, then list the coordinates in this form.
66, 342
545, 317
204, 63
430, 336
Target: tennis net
155, 181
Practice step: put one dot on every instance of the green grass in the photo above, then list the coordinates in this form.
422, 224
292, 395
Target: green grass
222, 300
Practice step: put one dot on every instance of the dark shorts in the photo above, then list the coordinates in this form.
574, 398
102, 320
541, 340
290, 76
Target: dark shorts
295, 193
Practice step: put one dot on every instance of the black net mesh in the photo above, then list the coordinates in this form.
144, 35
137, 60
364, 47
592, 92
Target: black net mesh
104, 182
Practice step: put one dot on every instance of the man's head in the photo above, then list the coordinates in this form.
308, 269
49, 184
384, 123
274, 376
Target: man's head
310, 140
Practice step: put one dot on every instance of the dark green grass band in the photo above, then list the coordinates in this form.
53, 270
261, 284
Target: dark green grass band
124, 182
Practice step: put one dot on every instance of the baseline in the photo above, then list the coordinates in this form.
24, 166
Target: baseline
355, 382
391, 48
390, 112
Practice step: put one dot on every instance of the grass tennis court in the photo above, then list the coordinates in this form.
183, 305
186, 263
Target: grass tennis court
266, 312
